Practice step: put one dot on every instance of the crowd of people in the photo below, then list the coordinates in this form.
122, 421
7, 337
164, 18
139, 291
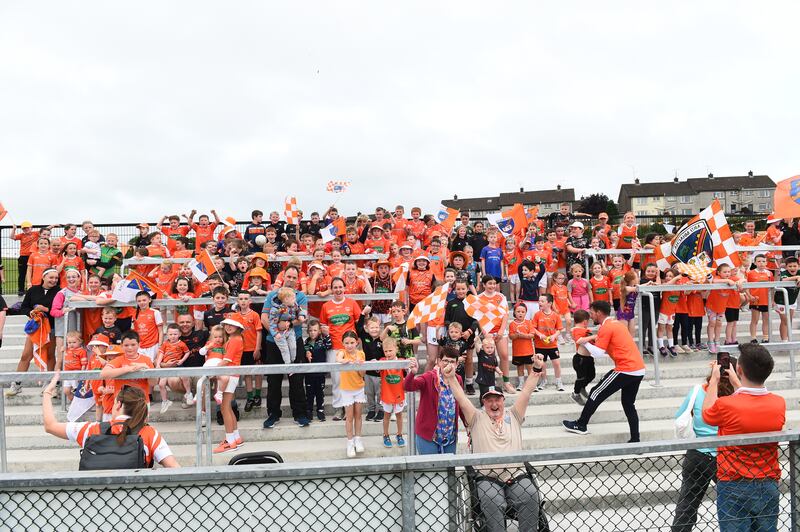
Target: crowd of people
541, 278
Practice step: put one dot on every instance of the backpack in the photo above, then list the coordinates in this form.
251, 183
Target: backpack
101, 451
684, 423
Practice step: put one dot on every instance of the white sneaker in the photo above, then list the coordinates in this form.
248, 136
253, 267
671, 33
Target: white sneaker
351, 449
14, 389
559, 385
165, 406
359, 444
218, 397
542, 384
188, 400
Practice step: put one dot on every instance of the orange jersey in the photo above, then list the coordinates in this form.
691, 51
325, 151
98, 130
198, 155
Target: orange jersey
694, 305
613, 338
420, 283
157, 251
669, 302
381, 245
164, 279
37, 264
27, 242
336, 269
626, 236
512, 260
561, 259
760, 295
74, 240
560, 296
340, 318
354, 286
203, 234
601, 288
233, 350
615, 278
521, 347
75, 359
580, 332
392, 392
351, 380
70, 263
174, 234
171, 353
252, 326
717, 300
549, 325
147, 324
120, 362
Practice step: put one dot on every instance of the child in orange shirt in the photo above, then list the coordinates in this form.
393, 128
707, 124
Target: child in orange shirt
393, 396
546, 325
147, 324
75, 359
560, 299
520, 332
582, 360
511, 262
759, 298
351, 385
618, 268
717, 304
666, 315
172, 353
734, 304
696, 309
601, 285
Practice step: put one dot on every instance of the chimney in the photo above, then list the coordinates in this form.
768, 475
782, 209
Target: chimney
636, 181
750, 173
710, 175
521, 190
675, 179
558, 187
455, 197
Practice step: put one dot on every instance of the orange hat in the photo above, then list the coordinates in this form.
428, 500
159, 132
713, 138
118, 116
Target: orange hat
99, 339
113, 350
226, 230
376, 226
230, 220
144, 225
260, 255
461, 254
259, 272
382, 261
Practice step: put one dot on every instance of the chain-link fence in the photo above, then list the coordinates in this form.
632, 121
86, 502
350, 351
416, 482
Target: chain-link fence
674, 486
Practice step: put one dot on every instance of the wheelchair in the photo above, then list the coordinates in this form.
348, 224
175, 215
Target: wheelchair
258, 457
478, 519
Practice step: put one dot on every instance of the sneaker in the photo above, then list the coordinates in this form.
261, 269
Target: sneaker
753, 341
248, 405
302, 421
321, 415
559, 385
702, 347
401, 442
359, 444
271, 421
257, 401
239, 441
572, 426
541, 386
14, 389
676, 349
672, 352
687, 349
370, 416
663, 351
218, 397
712, 348
165, 406
351, 449
470, 388
578, 398
225, 447
387, 442
648, 351
379, 417
339, 415
188, 400
765, 341
519, 387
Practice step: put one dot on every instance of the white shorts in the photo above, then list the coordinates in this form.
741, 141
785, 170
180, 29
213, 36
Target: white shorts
780, 309
434, 333
150, 352
212, 362
70, 384
533, 308
513, 278
713, 315
350, 397
393, 408
663, 319
233, 382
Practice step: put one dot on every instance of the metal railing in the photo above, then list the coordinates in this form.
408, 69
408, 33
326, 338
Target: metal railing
622, 487
648, 290
203, 391
154, 261
209, 301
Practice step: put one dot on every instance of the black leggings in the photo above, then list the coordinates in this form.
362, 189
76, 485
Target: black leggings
584, 371
608, 385
696, 326
681, 326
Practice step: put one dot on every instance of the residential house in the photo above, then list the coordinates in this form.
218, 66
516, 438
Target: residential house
547, 200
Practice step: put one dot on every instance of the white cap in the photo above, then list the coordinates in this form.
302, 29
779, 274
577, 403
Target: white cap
579, 225
228, 321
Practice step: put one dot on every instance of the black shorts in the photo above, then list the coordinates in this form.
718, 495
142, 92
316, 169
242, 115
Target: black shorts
616, 304
551, 353
247, 358
526, 360
731, 314
759, 308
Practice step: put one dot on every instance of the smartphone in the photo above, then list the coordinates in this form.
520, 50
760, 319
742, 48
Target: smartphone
724, 360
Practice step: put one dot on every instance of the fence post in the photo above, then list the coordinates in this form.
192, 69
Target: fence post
207, 399
654, 327
412, 419
794, 482
198, 421
641, 321
408, 510
3, 457
792, 368
452, 500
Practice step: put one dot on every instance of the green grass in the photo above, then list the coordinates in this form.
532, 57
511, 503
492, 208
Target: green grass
10, 273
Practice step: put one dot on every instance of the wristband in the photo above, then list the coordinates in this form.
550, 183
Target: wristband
537, 370
506, 379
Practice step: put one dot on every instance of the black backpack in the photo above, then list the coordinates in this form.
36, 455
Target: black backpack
101, 451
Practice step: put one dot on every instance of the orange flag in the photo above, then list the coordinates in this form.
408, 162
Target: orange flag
3, 211
519, 217
446, 217
787, 198
39, 337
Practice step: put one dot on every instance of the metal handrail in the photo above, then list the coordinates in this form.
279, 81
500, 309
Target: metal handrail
366, 466
209, 301
712, 286
147, 261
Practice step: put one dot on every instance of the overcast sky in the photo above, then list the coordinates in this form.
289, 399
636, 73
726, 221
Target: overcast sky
121, 111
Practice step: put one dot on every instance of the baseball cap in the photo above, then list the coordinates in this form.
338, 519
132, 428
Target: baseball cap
143, 225
234, 323
493, 390
579, 225
26, 224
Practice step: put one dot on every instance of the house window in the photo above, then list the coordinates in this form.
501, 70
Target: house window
686, 211
686, 199
641, 201
733, 193
763, 193
671, 198
719, 195
748, 192
762, 207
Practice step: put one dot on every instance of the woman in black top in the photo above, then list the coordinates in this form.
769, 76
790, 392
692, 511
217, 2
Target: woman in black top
460, 241
38, 298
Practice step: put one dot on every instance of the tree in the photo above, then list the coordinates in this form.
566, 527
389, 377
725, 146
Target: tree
595, 204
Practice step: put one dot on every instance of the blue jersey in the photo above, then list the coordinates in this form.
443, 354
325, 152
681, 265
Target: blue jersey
494, 261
